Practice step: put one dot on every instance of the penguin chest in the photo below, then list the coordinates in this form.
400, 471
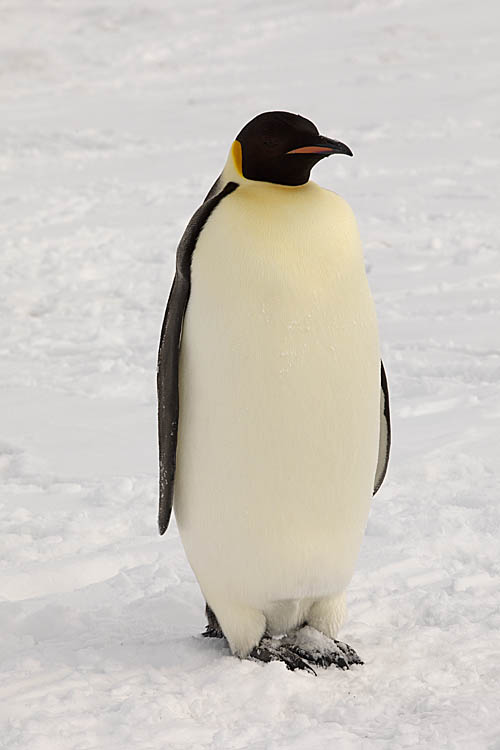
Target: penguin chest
279, 390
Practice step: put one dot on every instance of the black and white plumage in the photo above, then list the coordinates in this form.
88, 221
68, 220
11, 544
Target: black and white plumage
274, 426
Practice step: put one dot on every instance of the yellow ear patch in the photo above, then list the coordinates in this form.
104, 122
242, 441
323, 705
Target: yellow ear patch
237, 157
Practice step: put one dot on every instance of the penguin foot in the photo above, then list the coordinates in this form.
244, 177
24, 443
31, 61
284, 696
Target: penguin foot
212, 629
271, 649
315, 647
210, 632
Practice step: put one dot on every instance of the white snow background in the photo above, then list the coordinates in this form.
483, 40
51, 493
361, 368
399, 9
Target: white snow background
116, 117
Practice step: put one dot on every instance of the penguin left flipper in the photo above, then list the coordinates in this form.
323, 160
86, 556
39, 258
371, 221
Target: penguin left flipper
168, 354
384, 445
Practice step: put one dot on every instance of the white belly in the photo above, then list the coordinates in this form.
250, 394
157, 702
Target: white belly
279, 397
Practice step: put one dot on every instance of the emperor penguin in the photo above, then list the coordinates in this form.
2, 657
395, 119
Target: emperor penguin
273, 406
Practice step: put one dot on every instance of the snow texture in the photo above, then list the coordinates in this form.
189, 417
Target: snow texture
116, 118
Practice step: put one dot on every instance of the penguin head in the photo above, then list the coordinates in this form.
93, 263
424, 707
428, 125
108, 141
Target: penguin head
282, 148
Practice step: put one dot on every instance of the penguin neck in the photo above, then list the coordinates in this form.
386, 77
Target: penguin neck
232, 172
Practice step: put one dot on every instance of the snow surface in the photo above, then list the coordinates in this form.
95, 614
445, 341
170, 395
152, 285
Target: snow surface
116, 118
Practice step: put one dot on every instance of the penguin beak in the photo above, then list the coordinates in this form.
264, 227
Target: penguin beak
323, 147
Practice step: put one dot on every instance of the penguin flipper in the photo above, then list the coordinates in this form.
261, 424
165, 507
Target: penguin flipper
385, 432
168, 394
168, 354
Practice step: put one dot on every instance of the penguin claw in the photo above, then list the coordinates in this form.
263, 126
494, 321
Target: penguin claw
318, 649
272, 650
211, 632
323, 660
212, 629
351, 656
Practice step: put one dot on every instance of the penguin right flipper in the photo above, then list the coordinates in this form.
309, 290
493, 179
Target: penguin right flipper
385, 432
168, 354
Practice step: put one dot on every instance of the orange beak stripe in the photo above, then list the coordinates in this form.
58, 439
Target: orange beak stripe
311, 150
